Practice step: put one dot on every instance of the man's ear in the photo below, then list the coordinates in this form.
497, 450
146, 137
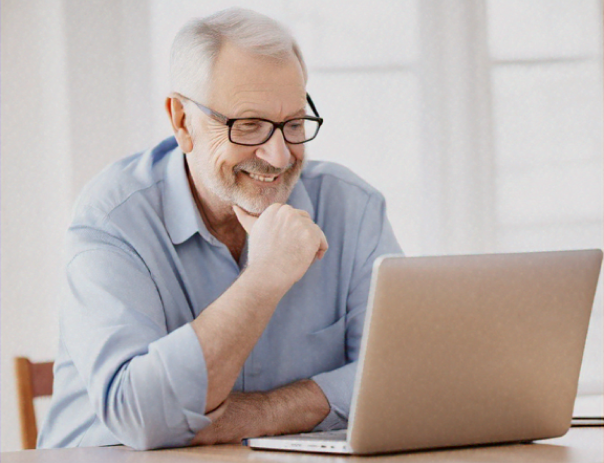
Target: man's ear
176, 113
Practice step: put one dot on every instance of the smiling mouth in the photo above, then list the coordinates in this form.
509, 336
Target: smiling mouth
262, 178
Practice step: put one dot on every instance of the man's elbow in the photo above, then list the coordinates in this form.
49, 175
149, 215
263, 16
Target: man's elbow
146, 432
143, 443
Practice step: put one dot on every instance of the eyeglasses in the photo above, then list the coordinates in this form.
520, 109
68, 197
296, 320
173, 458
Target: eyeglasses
256, 131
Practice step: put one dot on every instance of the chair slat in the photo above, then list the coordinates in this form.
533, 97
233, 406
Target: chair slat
41, 375
33, 380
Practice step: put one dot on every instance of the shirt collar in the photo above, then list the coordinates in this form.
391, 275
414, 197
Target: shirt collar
181, 214
299, 199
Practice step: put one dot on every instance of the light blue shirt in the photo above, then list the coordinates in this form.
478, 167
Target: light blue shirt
141, 265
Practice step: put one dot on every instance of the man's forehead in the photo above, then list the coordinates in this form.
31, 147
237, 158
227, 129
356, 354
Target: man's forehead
286, 98
241, 78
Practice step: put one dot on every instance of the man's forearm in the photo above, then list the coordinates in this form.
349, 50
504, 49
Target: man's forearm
229, 328
297, 407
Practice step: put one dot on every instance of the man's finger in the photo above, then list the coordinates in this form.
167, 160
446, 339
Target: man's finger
323, 246
246, 220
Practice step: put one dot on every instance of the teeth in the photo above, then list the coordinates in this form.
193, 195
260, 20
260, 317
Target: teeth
262, 179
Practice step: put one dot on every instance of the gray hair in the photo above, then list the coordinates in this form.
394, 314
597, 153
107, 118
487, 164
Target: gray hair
197, 44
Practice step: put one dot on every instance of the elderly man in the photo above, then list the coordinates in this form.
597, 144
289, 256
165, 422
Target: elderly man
216, 285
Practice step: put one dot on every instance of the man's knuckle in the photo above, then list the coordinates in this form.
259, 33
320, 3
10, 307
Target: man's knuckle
273, 208
308, 234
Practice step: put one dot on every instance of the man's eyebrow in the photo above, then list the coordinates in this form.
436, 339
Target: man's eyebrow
251, 113
301, 112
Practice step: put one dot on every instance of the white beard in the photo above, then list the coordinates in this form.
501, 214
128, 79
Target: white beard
243, 197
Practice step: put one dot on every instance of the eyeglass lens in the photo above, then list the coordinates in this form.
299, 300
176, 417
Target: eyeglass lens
256, 131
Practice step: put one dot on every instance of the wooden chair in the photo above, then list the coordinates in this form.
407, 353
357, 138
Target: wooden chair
33, 380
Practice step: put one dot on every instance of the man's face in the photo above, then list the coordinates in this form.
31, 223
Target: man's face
252, 177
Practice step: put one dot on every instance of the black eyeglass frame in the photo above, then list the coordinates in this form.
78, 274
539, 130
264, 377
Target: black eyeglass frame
276, 125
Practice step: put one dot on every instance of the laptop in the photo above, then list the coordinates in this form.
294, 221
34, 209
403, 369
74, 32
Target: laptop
465, 350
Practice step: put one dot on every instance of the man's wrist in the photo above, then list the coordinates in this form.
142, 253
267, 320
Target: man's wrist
297, 407
271, 415
265, 283
259, 419
268, 419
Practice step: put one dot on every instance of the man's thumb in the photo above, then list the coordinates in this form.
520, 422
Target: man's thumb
246, 220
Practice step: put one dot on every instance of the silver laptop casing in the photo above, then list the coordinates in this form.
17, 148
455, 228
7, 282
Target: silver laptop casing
467, 350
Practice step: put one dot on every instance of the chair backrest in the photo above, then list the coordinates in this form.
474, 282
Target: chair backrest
33, 380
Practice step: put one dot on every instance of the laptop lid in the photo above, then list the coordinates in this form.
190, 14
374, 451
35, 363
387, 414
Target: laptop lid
464, 350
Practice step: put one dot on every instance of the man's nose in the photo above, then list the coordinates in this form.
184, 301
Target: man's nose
275, 151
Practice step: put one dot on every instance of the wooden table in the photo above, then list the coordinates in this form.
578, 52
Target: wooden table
584, 445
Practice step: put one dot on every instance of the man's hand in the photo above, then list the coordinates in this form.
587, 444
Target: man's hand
283, 243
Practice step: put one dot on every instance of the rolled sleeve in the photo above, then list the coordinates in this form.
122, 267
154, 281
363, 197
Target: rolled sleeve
375, 239
183, 361
147, 385
337, 387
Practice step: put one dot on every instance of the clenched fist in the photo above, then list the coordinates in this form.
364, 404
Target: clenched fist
283, 242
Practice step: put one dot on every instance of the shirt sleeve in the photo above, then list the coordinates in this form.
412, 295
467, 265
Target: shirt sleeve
375, 239
146, 385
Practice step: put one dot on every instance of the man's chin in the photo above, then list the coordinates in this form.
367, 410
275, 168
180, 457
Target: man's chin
257, 205
252, 207
255, 200
246, 207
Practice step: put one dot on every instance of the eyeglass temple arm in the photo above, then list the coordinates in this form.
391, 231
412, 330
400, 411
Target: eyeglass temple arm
312, 105
204, 109
212, 113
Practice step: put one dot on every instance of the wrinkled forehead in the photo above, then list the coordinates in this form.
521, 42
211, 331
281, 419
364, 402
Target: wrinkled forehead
243, 81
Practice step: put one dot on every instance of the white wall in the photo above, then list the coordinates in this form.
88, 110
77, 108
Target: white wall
35, 188
75, 81
447, 122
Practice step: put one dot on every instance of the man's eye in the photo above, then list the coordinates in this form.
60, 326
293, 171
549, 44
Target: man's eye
248, 125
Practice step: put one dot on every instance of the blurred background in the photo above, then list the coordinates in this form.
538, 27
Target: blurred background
480, 120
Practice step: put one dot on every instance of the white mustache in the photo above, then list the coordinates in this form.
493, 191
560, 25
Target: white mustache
258, 166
